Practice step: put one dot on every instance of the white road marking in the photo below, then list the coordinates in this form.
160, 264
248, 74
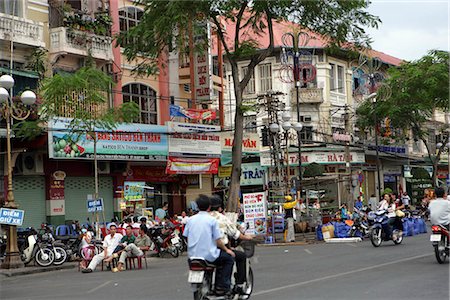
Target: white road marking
308, 251
352, 245
339, 275
99, 287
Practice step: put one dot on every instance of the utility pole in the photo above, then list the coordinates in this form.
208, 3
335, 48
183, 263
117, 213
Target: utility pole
348, 168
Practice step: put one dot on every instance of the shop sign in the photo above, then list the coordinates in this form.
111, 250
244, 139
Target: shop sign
339, 137
317, 157
255, 213
150, 174
186, 139
392, 170
389, 149
176, 165
201, 66
252, 174
133, 190
250, 142
192, 113
125, 142
225, 171
56, 191
11, 216
191, 180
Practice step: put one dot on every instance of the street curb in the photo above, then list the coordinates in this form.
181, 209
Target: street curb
287, 244
35, 270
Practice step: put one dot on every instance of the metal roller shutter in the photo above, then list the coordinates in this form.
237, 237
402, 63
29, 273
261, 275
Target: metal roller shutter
29, 193
76, 191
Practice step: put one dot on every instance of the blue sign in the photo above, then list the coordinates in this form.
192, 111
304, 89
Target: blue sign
95, 205
11, 216
389, 149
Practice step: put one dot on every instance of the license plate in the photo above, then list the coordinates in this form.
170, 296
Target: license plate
175, 240
435, 238
196, 276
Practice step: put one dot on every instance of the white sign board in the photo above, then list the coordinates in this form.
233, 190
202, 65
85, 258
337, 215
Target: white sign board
250, 142
201, 68
187, 139
255, 212
317, 157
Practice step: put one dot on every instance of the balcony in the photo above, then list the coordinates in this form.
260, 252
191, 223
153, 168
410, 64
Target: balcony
69, 41
307, 95
23, 31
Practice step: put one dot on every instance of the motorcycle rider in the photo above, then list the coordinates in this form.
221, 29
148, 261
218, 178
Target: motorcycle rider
204, 240
388, 205
440, 209
230, 230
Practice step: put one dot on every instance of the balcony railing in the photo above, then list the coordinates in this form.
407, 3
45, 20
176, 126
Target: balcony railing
64, 40
307, 95
21, 30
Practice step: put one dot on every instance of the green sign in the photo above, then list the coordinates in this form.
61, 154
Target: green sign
134, 190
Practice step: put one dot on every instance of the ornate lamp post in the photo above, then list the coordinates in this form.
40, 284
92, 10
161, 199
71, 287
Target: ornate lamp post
18, 111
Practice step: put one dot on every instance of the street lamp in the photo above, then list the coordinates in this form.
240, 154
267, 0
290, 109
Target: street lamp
439, 146
20, 112
287, 125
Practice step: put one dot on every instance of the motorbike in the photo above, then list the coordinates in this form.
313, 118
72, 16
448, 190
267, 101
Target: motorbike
31, 247
381, 232
440, 241
182, 244
57, 247
360, 225
165, 240
202, 276
3, 239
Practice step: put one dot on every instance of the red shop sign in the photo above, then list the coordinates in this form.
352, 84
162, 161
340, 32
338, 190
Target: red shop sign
176, 165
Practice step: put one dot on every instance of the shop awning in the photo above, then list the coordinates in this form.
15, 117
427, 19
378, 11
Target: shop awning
29, 74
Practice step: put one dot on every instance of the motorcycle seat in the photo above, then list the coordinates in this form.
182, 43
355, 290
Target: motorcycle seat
200, 263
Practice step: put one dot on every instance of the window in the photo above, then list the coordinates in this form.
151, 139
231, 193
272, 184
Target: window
250, 123
265, 77
145, 97
340, 78
337, 82
11, 7
306, 135
250, 88
129, 17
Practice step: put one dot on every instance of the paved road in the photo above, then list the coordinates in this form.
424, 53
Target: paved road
322, 271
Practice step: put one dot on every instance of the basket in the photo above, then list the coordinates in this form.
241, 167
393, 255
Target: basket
249, 248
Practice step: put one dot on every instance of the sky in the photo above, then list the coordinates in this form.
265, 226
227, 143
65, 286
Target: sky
410, 28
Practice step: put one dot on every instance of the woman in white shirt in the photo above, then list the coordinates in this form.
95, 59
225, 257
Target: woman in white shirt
388, 205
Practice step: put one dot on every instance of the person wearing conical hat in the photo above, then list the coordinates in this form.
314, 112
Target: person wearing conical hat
288, 206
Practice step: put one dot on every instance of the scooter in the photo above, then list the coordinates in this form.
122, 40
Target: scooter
202, 276
360, 226
165, 240
381, 232
33, 248
440, 240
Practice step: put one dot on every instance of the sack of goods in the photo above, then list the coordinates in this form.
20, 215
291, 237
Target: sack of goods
328, 231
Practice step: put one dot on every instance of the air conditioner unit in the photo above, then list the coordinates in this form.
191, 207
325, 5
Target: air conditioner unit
32, 163
103, 167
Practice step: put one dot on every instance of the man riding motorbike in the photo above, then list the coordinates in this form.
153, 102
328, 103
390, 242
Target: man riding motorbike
440, 209
204, 241
229, 229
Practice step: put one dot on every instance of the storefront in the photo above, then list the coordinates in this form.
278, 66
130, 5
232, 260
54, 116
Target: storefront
29, 193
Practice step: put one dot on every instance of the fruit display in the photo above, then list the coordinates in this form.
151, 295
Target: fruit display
66, 147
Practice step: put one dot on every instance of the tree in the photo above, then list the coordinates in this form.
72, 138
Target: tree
167, 24
417, 89
83, 96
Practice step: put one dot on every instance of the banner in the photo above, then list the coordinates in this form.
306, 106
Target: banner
255, 212
191, 113
317, 157
250, 142
186, 139
126, 142
225, 171
133, 190
176, 165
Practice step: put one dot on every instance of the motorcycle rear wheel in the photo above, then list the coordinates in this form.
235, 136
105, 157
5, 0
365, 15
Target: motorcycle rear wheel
44, 257
375, 237
173, 250
248, 286
201, 293
441, 256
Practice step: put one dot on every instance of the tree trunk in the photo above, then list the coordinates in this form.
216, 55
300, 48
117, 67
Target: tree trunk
233, 194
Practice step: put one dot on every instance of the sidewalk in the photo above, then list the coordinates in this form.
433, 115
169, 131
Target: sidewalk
32, 269
301, 239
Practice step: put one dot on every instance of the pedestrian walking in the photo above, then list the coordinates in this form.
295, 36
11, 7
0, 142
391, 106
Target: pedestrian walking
289, 216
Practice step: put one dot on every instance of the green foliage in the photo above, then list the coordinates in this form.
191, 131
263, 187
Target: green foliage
387, 191
313, 170
417, 88
36, 62
420, 173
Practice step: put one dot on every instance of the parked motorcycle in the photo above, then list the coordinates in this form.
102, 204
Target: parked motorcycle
165, 240
202, 276
360, 225
440, 240
380, 230
59, 252
31, 247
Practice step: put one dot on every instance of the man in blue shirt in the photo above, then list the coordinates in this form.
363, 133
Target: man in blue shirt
359, 204
161, 213
204, 240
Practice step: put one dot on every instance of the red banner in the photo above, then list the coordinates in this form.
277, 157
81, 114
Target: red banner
176, 165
